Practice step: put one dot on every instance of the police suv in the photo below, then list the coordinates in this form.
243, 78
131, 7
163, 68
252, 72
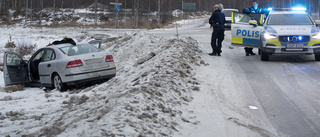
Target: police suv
284, 31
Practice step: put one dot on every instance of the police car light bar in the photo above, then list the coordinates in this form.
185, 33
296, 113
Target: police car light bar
299, 9
287, 9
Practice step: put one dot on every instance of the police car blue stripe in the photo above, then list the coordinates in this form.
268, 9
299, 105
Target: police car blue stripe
255, 42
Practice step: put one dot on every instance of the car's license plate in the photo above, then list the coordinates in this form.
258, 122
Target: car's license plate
94, 61
295, 46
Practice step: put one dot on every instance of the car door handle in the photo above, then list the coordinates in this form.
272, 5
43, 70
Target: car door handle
49, 65
236, 27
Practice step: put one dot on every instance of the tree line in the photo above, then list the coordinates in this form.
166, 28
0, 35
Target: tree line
202, 5
161, 7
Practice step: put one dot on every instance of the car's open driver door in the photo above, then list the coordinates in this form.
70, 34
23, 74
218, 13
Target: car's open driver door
14, 69
96, 43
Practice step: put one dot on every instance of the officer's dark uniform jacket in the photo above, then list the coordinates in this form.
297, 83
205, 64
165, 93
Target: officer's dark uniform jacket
217, 20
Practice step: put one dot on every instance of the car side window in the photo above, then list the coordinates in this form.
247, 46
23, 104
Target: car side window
241, 18
48, 55
13, 59
39, 55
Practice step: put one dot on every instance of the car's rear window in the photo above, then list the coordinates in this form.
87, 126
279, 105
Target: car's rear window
289, 19
79, 49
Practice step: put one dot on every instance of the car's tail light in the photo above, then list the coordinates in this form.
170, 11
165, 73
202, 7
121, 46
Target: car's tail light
109, 58
74, 63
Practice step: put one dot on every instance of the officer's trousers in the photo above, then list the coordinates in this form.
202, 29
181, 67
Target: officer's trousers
216, 45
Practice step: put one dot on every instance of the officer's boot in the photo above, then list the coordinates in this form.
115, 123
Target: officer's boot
247, 53
251, 53
212, 54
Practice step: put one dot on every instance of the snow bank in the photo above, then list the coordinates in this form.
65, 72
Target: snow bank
154, 80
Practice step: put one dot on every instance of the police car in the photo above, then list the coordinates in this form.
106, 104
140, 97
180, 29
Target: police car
284, 31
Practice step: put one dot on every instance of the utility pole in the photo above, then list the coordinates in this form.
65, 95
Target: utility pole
117, 8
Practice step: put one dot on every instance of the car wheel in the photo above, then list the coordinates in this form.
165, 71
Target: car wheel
57, 83
317, 57
264, 56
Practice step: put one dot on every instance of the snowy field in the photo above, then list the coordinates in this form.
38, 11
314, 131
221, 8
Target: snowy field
161, 89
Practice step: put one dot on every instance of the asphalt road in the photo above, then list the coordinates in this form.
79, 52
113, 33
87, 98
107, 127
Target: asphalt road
287, 87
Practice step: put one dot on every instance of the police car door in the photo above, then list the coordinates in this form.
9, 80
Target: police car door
245, 34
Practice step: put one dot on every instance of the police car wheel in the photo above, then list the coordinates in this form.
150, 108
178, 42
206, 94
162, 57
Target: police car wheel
264, 56
259, 51
317, 57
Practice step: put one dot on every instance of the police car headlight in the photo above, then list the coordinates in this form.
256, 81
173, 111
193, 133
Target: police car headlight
269, 36
316, 36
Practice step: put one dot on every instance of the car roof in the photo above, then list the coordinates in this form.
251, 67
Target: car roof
231, 9
65, 45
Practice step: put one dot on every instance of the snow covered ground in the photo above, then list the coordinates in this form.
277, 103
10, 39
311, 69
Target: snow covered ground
164, 86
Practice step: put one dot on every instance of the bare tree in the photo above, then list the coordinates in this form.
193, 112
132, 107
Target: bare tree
31, 10
159, 11
96, 10
54, 12
41, 8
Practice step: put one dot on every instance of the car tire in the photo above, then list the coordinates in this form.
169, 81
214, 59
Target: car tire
317, 57
57, 83
264, 56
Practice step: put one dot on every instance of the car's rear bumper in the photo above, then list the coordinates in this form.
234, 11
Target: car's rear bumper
89, 76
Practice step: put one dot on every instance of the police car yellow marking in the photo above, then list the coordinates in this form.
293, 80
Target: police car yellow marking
237, 40
245, 41
313, 41
274, 42
261, 18
240, 18
232, 19
253, 23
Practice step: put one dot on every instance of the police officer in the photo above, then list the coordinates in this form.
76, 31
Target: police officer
253, 9
217, 21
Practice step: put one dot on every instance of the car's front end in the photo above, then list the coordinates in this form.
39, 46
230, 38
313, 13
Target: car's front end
292, 40
290, 33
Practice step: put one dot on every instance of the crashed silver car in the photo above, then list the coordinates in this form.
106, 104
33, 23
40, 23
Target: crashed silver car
60, 65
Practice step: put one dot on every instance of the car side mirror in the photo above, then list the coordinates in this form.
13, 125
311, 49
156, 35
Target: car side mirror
253, 22
317, 23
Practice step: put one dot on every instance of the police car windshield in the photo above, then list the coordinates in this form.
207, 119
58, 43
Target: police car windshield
289, 19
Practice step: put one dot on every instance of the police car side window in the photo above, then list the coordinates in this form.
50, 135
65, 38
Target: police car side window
242, 18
